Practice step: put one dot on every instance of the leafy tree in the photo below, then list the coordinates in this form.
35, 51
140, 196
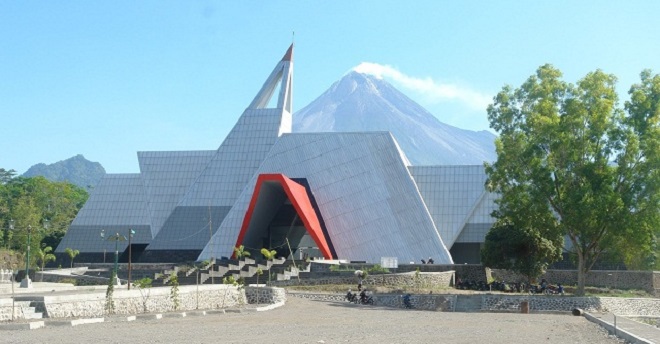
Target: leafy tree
44, 255
259, 272
571, 161
109, 294
240, 252
527, 251
72, 254
174, 290
268, 255
6, 176
37, 201
26, 219
144, 286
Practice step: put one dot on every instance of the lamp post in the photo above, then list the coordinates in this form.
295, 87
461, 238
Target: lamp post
116, 238
26, 282
130, 236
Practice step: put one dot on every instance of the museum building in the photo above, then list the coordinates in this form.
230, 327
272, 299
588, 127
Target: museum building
352, 196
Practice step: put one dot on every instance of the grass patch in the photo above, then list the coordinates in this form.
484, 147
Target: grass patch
608, 292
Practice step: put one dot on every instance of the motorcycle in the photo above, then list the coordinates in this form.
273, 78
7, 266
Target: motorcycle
365, 300
350, 297
406, 301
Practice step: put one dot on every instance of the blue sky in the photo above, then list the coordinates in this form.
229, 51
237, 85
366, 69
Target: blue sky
109, 78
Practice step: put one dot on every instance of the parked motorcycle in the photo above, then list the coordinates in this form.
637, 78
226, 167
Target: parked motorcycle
365, 299
351, 297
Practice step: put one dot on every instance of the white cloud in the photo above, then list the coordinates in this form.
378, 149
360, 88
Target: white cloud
435, 91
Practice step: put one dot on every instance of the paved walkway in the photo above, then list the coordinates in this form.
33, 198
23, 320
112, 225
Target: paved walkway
641, 333
645, 333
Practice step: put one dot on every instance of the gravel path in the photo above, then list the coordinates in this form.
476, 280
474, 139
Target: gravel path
304, 321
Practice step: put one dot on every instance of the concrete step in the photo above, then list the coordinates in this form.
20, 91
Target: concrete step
247, 273
33, 315
190, 271
204, 277
468, 303
22, 310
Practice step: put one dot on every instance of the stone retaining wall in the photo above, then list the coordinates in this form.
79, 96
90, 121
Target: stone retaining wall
7, 307
268, 295
156, 299
619, 306
474, 272
80, 280
617, 279
510, 303
432, 302
408, 279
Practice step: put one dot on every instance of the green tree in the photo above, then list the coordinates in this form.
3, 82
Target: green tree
44, 255
240, 252
72, 254
36, 201
571, 161
144, 286
174, 290
109, 294
268, 255
6, 175
26, 218
527, 251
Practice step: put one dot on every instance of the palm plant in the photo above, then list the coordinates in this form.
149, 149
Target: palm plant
44, 255
72, 254
268, 255
240, 252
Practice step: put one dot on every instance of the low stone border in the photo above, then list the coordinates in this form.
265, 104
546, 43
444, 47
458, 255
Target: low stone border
409, 279
91, 304
622, 306
509, 303
429, 302
33, 325
156, 316
629, 337
271, 307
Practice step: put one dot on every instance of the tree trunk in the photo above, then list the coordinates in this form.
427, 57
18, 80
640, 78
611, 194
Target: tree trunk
582, 274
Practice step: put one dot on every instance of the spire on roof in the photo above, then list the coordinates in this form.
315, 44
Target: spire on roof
282, 77
289, 54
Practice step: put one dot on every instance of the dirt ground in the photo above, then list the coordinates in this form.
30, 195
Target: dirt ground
305, 321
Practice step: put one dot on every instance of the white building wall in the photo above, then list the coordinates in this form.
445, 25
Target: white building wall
367, 198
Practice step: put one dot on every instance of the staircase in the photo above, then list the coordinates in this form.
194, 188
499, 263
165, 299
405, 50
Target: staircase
292, 271
245, 268
468, 303
23, 310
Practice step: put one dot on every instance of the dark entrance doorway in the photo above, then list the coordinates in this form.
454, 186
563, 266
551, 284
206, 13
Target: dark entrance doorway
282, 217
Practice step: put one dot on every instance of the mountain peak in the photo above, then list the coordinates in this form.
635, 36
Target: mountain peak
76, 170
354, 82
360, 101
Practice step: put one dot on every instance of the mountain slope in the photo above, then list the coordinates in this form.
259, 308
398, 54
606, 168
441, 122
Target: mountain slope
360, 102
76, 170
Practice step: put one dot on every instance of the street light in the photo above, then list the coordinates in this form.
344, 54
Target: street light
130, 236
116, 238
26, 282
